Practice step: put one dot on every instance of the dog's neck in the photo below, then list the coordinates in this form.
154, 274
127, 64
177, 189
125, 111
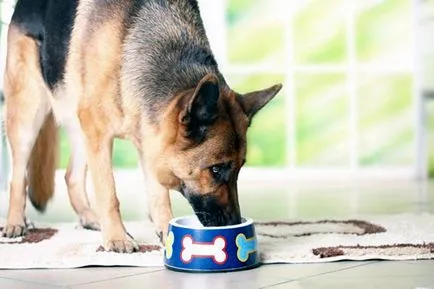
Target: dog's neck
165, 53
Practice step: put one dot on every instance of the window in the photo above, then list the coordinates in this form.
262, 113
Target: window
350, 94
350, 102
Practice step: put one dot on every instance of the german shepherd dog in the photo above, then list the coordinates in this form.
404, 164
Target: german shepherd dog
141, 70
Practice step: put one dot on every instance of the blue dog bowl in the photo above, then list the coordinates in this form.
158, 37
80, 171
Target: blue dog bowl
195, 248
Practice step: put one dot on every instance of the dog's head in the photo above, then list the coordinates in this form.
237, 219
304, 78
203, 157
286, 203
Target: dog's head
210, 147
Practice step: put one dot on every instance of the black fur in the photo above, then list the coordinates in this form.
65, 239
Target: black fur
29, 17
203, 112
208, 211
58, 33
50, 23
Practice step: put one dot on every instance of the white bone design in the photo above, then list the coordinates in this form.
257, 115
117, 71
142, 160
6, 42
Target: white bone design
215, 249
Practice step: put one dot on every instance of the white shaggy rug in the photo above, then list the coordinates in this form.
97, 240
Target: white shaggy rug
398, 237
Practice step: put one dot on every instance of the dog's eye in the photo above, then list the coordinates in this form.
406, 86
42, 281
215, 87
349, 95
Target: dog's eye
221, 172
216, 169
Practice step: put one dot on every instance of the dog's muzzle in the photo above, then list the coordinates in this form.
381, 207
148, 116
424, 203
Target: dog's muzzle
209, 212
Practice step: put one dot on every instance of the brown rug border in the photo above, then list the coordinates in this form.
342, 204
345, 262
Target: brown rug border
367, 227
328, 252
33, 236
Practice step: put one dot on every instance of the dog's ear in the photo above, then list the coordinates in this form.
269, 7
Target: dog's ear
202, 108
252, 102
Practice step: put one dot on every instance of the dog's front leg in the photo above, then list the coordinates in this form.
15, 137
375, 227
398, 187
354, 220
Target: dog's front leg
160, 207
112, 228
99, 155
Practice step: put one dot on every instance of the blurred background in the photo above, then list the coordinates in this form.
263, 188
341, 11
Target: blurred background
358, 97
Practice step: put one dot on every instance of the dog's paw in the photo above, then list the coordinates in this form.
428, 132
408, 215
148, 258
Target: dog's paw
88, 220
16, 226
121, 246
14, 230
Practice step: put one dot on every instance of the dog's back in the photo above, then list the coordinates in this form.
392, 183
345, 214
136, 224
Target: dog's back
167, 34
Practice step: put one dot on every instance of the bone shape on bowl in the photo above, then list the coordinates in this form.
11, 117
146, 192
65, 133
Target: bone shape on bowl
245, 247
170, 239
215, 249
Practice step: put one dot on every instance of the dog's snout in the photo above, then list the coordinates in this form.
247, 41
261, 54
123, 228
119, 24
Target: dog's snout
210, 212
234, 219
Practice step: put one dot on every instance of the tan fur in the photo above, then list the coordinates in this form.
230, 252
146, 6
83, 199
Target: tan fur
43, 163
26, 109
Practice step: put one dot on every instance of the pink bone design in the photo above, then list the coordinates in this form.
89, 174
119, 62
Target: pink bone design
215, 249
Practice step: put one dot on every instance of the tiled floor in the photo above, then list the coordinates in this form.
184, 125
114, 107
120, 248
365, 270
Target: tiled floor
263, 202
353, 275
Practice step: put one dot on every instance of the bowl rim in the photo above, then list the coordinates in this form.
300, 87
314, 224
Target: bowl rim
174, 222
